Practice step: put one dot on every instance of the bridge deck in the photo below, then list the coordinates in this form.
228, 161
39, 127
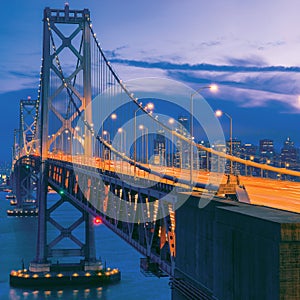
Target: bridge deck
273, 193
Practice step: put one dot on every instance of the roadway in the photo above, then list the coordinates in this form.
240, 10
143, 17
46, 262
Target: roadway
273, 193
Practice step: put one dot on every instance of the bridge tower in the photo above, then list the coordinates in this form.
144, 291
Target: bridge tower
65, 94
27, 128
25, 173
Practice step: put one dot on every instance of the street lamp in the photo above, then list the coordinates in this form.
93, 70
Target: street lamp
142, 127
252, 159
64, 147
123, 140
113, 116
219, 113
268, 162
106, 133
149, 106
213, 88
171, 122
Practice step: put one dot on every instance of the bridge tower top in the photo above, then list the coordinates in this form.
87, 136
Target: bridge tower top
66, 15
65, 84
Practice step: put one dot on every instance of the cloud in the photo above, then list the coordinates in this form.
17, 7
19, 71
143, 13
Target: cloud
244, 81
268, 45
23, 74
204, 67
210, 44
17, 80
115, 52
253, 60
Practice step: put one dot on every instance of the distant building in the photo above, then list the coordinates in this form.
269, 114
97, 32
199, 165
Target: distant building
160, 148
289, 156
266, 151
217, 163
250, 152
182, 154
236, 151
204, 157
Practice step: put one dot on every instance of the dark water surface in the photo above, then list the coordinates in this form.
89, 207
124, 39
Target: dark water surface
18, 241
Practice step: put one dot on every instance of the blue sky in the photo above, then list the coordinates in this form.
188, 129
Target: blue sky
249, 48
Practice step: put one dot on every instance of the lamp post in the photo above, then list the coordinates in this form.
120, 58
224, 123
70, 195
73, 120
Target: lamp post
77, 147
113, 117
92, 133
106, 133
149, 106
171, 122
214, 88
251, 168
219, 113
142, 127
123, 139
64, 143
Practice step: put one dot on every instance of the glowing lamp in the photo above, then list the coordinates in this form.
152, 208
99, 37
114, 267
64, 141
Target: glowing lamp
97, 221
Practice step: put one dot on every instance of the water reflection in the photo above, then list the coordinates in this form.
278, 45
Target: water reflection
67, 293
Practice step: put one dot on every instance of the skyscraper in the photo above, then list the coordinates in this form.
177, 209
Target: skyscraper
236, 151
266, 151
160, 148
182, 155
289, 156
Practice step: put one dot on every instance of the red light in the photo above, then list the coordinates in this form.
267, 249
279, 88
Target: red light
97, 221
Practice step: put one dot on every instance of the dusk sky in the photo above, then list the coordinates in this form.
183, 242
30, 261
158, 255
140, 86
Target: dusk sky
249, 48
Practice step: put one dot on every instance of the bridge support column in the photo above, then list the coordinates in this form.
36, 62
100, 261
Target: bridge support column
25, 176
243, 252
41, 264
90, 262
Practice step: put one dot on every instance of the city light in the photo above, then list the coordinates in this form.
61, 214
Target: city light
150, 106
214, 87
97, 221
218, 113
171, 121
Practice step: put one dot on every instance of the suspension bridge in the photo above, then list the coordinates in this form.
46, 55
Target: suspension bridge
109, 154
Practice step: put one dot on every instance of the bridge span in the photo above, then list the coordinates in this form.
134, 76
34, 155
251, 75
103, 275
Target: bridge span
217, 234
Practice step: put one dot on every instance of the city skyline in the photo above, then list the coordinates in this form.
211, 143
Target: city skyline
196, 43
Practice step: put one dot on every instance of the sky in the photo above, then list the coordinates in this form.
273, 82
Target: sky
249, 48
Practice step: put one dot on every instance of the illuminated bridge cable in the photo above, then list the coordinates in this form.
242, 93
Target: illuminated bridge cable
90, 128
112, 75
178, 135
37, 107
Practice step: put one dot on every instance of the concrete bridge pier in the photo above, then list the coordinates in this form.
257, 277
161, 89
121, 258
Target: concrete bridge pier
229, 250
